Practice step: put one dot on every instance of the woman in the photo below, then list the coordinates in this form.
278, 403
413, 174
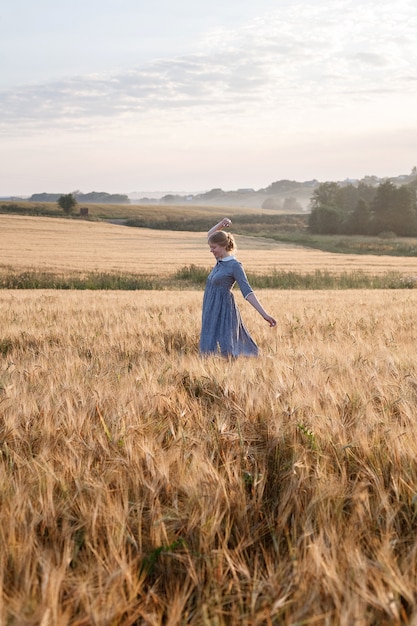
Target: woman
223, 331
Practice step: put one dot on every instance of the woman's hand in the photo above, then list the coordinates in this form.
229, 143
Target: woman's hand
224, 223
270, 321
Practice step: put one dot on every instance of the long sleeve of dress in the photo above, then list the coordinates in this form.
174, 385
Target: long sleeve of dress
241, 279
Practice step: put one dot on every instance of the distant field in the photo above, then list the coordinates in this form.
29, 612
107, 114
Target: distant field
155, 212
63, 245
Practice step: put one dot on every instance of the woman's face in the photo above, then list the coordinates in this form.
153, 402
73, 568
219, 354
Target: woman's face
218, 251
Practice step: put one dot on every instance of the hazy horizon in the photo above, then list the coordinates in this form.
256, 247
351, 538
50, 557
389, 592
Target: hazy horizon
157, 194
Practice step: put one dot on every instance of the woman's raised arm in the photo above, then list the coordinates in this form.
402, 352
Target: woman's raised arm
224, 223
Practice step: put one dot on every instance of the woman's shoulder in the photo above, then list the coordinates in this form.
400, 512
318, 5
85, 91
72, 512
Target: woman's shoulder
231, 263
235, 266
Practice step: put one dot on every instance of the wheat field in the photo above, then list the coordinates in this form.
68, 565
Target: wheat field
64, 245
144, 485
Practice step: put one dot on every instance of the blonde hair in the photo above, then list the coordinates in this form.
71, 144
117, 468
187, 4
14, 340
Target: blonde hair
226, 240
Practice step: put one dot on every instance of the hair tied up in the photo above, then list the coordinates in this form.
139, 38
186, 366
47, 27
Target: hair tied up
230, 242
223, 239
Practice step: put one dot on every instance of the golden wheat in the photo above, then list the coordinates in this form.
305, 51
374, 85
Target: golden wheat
141, 484
78, 246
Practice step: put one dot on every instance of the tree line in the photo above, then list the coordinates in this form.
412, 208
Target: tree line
97, 197
364, 209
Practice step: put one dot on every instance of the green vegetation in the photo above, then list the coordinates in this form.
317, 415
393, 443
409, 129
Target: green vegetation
386, 244
93, 196
364, 209
250, 223
194, 277
31, 208
67, 203
36, 279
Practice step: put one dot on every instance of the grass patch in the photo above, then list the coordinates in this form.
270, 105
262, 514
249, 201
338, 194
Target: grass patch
31, 208
95, 280
326, 280
249, 223
354, 244
194, 275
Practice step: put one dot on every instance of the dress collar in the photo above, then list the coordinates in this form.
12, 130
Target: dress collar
229, 257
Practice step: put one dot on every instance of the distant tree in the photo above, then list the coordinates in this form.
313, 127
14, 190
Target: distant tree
101, 197
363, 209
44, 197
412, 185
325, 195
213, 193
67, 203
359, 220
405, 211
173, 198
292, 204
394, 209
366, 192
272, 204
347, 198
281, 186
325, 220
325, 216
382, 207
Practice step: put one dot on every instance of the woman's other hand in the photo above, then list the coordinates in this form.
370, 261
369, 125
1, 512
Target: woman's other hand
270, 321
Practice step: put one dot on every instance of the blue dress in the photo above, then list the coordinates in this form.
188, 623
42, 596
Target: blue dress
223, 332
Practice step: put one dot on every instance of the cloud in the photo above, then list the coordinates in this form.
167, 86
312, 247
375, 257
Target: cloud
301, 57
370, 58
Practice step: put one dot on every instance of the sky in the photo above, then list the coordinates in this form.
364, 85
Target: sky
127, 96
